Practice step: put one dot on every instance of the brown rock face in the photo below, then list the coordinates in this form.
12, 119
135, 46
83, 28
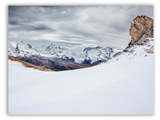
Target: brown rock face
142, 28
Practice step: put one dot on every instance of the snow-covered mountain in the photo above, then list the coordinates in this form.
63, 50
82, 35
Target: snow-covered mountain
21, 48
86, 54
79, 54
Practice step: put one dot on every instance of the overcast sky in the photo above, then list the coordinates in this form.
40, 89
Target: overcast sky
74, 25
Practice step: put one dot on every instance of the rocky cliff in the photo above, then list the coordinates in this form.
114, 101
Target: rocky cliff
141, 44
141, 29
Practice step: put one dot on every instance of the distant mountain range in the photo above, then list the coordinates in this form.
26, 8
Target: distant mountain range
59, 57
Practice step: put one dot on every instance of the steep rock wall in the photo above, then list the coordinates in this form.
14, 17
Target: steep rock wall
141, 29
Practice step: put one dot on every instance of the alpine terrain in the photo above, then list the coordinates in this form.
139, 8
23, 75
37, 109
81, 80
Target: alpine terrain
59, 58
123, 84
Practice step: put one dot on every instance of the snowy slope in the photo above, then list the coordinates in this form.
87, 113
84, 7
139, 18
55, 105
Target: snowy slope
135, 51
123, 86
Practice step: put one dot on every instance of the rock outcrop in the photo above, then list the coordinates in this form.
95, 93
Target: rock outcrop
141, 32
141, 29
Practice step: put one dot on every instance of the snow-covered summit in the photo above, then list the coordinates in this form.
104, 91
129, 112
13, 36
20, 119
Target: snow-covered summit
21, 48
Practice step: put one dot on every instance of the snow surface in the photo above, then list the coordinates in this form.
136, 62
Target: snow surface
123, 86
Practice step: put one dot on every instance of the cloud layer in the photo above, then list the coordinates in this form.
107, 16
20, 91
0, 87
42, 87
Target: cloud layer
74, 25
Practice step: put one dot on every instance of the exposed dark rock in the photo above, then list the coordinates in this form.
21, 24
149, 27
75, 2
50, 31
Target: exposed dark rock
125, 50
29, 46
86, 62
117, 54
16, 49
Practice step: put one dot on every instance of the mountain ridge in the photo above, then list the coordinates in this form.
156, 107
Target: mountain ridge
59, 58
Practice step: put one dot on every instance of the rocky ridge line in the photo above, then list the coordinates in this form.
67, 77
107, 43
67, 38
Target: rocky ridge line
141, 32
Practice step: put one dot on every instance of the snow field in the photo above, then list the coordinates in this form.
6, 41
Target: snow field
118, 87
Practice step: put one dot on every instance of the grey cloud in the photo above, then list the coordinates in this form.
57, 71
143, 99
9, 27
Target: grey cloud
45, 13
13, 22
28, 28
40, 27
76, 31
105, 25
